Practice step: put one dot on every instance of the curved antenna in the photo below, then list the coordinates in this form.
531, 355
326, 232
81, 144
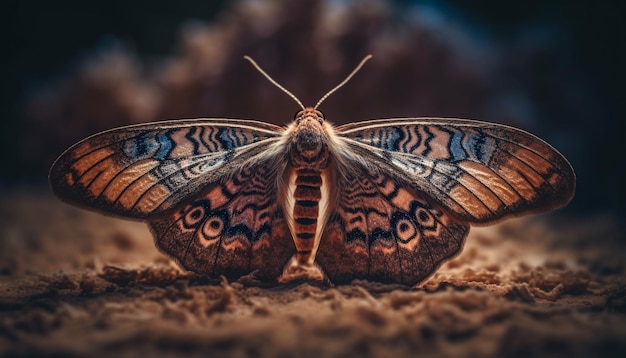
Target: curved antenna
344, 81
273, 82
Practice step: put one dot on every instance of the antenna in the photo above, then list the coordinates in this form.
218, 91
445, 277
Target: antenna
344, 81
358, 67
273, 82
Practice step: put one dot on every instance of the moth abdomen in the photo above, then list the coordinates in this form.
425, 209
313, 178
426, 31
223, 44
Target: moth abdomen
306, 210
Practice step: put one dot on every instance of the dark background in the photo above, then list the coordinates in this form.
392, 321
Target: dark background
565, 57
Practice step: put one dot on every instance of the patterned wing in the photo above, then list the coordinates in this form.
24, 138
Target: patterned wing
384, 231
235, 227
140, 171
480, 172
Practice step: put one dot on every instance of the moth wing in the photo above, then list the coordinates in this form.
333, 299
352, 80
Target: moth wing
233, 228
139, 171
384, 230
480, 172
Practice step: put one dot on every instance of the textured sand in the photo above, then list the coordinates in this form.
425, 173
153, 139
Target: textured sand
74, 283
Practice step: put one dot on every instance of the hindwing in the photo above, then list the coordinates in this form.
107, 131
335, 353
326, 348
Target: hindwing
383, 230
233, 228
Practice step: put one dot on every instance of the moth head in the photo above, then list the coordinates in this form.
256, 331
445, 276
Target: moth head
309, 140
309, 114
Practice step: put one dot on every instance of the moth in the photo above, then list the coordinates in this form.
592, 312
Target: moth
385, 200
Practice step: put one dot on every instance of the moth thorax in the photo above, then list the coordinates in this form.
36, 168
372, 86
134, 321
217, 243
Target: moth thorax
309, 145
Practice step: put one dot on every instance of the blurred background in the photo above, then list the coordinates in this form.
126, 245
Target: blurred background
555, 68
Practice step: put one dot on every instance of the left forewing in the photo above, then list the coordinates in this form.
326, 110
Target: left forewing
139, 171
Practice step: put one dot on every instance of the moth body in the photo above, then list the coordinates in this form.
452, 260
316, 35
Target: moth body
306, 201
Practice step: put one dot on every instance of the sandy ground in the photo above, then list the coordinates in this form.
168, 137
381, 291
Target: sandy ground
73, 283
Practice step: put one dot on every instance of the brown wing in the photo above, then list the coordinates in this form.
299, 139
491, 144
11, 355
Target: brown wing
139, 171
234, 228
480, 172
382, 230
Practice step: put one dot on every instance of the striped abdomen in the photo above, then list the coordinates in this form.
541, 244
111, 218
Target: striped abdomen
306, 212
